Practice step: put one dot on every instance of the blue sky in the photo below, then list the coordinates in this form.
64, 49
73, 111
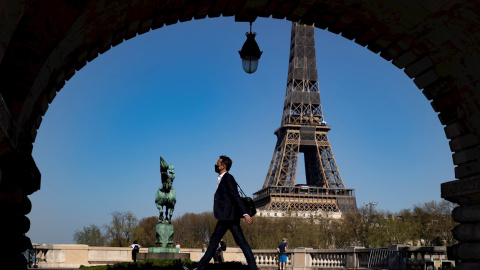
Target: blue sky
180, 92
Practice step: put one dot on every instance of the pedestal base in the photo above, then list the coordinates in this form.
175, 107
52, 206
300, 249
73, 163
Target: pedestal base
162, 256
164, 236
163, 250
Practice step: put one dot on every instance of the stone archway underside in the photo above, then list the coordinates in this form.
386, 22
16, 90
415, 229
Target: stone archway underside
43, 43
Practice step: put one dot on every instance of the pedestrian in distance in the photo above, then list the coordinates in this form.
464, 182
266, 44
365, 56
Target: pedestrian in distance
135, 249
282, 251
216, 257
223, 248
228, 209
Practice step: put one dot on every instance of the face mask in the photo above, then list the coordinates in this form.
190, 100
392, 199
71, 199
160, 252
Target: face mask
217, 170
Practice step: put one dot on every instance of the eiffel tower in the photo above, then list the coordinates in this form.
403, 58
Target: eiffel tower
304, 130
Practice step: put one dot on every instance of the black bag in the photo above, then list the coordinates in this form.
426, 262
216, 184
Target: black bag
248, 203
136, 249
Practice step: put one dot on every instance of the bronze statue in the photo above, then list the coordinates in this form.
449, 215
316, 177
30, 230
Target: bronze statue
166, 194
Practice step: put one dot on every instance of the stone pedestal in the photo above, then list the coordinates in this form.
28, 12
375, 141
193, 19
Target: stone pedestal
164, 249
300, 258
164, 236
154, 254
466, 193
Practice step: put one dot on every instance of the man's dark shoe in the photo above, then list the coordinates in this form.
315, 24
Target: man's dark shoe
186, 268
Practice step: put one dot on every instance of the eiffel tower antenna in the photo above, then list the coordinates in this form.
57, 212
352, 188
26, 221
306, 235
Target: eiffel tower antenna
303, 129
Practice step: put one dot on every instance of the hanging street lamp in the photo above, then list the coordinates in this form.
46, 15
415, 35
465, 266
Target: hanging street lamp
250, 53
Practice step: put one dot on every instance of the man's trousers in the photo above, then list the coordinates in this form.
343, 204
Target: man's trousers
220, 230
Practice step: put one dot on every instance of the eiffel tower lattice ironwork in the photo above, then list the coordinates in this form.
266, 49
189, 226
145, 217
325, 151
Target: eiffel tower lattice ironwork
303, 129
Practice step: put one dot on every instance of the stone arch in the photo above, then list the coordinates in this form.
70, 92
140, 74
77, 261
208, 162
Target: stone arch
435, 43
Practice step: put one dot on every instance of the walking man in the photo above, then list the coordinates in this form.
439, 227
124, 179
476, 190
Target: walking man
282, 250
228, 210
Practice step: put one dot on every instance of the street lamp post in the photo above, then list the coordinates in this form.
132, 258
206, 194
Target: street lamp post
371, 204
250, 53
395, 226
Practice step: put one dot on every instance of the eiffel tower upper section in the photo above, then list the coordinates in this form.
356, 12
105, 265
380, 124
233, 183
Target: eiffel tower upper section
303, 129
302, 98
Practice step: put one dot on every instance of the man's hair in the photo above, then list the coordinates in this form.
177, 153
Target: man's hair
227, 161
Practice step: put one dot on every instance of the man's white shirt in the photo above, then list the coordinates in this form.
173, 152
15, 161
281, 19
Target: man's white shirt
220, 178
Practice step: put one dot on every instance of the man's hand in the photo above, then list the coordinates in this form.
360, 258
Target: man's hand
248, 219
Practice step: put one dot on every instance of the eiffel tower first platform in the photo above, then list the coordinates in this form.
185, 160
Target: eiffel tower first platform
303, 129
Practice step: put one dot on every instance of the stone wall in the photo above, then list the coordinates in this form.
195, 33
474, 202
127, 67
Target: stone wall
63, 256
72, 256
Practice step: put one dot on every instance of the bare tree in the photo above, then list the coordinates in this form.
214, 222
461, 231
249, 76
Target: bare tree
145, 231
90, 235
120, 230
193, 230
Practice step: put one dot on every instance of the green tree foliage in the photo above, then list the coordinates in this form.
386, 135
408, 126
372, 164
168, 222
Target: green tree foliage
426, 224
120, 230
434, 223
348, 231
91, 235
144, 233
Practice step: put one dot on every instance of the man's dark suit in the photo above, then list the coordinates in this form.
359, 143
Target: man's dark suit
227, 204
228, 209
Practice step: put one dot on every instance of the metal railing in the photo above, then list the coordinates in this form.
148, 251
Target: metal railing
406, 258
392, 258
